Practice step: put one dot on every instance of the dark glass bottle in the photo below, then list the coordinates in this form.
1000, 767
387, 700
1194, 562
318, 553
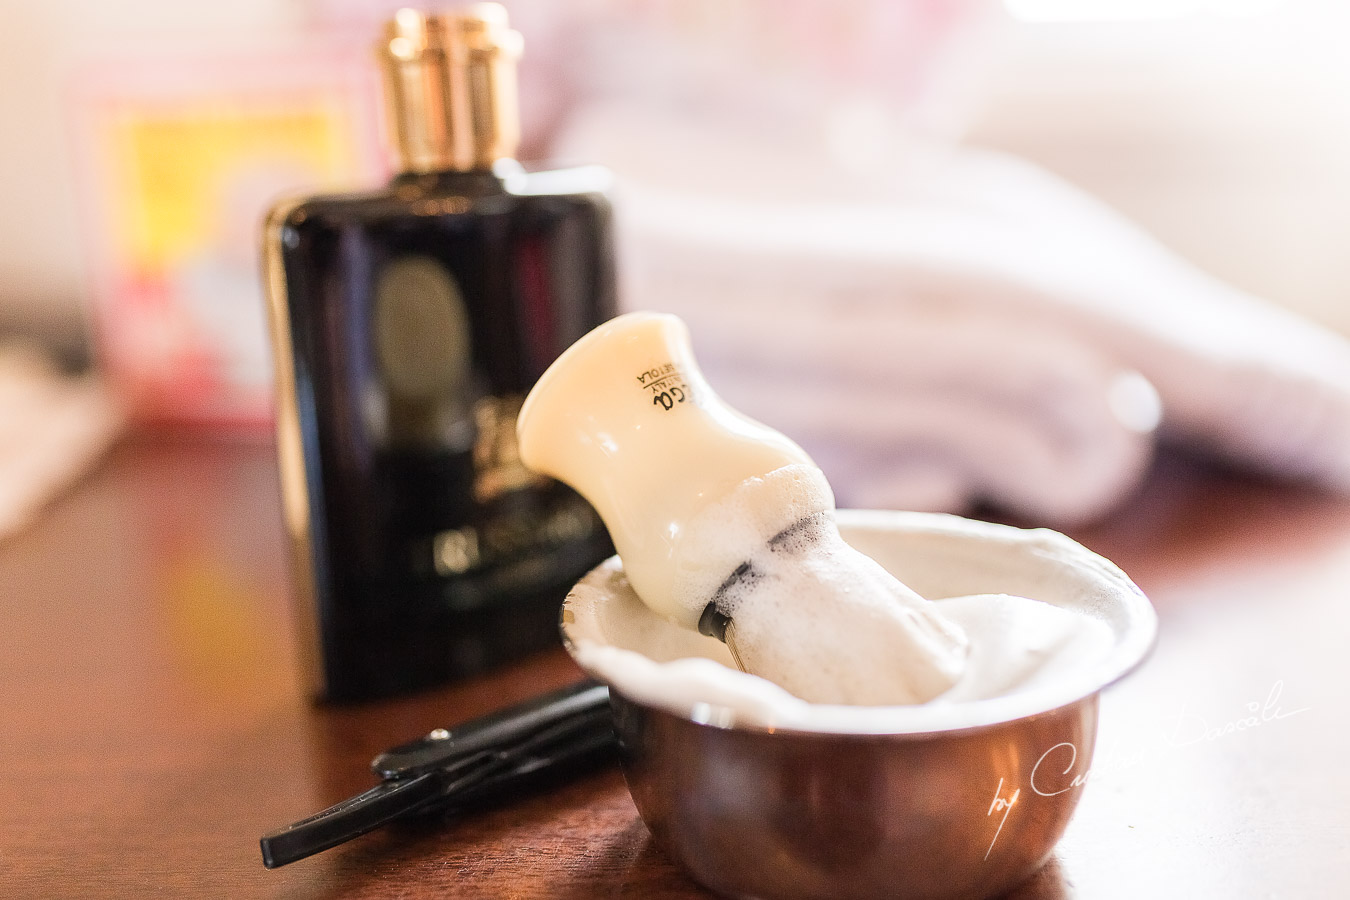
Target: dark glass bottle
408, 324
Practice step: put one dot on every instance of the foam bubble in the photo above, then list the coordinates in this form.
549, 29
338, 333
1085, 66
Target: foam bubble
728, 530
1019, 644
1016, 646
830, 625
810, 613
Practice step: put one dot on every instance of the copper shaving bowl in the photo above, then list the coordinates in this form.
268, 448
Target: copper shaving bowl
963, 800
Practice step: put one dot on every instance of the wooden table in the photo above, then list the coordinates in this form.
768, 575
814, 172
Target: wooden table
152, 726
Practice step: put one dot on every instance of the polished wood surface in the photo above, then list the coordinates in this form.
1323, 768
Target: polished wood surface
152, 726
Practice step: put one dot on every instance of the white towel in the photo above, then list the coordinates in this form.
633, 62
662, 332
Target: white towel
963, 327
53, 428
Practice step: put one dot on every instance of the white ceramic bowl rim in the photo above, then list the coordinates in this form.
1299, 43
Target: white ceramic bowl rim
649, 660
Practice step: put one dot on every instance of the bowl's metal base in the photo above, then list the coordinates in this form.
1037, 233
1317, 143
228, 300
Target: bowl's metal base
791, 815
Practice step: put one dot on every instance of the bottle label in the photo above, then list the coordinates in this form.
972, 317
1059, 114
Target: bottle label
422, 344
496, 454
513, 538
511, 534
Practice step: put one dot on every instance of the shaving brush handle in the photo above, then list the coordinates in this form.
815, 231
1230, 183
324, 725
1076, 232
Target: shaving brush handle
627, 419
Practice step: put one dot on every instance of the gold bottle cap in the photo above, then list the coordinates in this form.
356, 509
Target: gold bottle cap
450, 88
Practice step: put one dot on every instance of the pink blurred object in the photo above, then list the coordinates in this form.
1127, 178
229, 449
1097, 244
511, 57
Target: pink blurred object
182, 154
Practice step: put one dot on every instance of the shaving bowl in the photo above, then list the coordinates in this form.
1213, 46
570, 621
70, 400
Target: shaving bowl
758, 794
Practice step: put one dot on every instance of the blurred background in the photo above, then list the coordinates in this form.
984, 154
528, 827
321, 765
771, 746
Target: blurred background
144, 140
1221, 127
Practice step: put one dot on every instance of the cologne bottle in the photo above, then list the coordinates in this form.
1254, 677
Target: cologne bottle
408, 323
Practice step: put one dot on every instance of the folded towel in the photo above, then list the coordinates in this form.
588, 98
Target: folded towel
53, 427
965, 327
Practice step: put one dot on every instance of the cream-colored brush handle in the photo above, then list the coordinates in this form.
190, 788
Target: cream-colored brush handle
686, 485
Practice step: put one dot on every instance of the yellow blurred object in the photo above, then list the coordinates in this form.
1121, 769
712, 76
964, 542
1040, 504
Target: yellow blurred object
184, 154
173, 169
